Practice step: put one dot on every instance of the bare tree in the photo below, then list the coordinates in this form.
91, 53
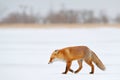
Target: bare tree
103, 17
117, 19
2, 11
23, 17
87, 16
63, 16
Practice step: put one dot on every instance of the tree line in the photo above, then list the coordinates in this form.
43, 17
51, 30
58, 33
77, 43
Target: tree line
61, 17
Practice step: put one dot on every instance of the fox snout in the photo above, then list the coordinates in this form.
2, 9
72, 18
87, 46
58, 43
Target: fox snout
53, 57
50, 61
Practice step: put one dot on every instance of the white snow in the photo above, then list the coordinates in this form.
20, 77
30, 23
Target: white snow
24, 53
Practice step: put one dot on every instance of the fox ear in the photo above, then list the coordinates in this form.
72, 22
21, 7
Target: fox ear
56, 51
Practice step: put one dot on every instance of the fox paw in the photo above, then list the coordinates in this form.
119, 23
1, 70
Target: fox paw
76, 72
91, 73
71, 70
64, 73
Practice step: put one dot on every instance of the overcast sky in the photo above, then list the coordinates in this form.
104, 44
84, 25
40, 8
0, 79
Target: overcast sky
112, 7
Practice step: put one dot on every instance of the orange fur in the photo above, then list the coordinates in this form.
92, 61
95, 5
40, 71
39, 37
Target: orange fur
78, 53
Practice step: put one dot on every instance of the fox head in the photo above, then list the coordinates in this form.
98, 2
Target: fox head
56, 55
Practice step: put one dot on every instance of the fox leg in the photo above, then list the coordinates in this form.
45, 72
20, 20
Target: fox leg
89, 62
67, 67
71, 70
80, 66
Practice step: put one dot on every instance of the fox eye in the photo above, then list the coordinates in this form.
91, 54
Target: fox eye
56, 50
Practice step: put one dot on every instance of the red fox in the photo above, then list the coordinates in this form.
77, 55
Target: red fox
78, 53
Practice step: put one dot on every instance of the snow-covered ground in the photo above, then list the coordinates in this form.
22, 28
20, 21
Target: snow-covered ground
24, 53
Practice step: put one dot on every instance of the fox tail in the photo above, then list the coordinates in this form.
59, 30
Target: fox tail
97, 61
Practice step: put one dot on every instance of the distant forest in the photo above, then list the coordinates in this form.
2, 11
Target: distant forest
63, 16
